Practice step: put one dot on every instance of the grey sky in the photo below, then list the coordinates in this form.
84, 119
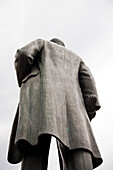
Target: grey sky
86, 27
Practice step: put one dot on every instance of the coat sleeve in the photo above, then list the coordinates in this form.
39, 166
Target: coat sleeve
89, 91
24, 59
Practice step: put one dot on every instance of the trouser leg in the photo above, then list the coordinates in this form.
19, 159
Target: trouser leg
79, 160
36, 158
74, 159
62, 153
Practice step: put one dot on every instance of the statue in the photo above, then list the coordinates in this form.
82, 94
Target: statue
58, 97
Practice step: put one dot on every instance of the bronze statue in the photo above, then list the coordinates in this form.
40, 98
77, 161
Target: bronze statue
58, 97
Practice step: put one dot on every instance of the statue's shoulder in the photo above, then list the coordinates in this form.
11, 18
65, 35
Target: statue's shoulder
71, 54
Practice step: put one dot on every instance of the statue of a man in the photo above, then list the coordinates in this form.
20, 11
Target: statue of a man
58, 97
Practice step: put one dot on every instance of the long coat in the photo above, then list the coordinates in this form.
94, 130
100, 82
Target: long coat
58, 96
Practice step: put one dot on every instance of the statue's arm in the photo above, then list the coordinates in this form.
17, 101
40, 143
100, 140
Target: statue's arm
89, 91
24, 59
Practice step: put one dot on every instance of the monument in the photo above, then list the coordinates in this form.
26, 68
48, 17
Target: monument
58, 97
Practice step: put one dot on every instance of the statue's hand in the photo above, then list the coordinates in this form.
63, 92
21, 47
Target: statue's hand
91, 115
90, 103
23, 64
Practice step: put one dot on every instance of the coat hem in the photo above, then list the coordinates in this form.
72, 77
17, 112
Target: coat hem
15, 156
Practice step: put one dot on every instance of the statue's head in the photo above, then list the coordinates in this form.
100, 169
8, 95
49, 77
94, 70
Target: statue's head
58, 41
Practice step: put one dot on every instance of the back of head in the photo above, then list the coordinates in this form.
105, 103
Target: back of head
58, 41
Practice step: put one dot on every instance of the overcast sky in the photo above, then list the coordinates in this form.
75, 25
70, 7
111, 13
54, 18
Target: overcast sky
86, 27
